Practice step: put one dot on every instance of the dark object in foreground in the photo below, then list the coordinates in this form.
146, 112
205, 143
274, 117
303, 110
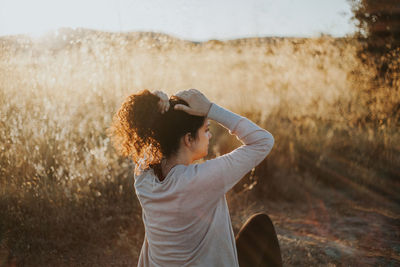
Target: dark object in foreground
257, 243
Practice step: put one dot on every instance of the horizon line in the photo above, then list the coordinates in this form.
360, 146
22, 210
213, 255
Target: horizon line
53, 31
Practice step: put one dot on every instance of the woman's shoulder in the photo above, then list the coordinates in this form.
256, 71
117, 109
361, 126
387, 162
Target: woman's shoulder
140, 170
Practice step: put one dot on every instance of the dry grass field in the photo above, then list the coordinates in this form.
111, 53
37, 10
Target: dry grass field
331, 184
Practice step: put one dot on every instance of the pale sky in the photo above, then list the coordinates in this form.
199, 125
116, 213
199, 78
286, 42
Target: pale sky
197, 20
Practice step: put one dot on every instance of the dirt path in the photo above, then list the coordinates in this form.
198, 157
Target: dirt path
336, 235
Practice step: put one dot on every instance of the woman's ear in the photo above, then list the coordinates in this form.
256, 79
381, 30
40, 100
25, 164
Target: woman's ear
188, 139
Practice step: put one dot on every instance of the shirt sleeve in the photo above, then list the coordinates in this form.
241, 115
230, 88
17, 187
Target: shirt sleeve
215, 177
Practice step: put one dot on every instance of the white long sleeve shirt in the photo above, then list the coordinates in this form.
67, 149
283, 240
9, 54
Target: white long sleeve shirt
186, 217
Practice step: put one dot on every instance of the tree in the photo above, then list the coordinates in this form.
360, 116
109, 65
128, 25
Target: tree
378, 22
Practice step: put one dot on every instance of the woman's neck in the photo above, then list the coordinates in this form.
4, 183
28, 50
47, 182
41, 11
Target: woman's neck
168, 163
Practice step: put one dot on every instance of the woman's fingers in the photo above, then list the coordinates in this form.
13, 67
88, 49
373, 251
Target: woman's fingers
185, 93
163, 104
163, 96
181, 107
198, 103
166, 106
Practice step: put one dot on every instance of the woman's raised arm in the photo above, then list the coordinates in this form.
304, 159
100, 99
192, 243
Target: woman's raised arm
217, 176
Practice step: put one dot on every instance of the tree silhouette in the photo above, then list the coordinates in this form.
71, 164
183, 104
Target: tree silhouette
378, 23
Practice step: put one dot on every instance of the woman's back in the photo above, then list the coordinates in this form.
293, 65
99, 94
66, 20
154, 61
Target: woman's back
186, 216
178, 231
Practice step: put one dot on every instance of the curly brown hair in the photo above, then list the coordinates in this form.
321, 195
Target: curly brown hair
140, 131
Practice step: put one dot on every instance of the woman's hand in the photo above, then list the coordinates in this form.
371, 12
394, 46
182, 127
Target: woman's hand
163, 104
199, 105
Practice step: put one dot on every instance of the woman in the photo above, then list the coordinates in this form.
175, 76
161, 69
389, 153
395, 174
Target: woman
185, 213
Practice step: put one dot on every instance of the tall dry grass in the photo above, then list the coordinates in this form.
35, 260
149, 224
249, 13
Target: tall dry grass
66, 197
